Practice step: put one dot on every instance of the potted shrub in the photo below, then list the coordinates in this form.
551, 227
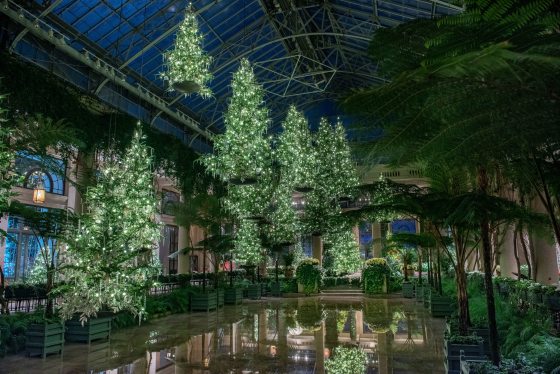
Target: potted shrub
375, 276
308, 275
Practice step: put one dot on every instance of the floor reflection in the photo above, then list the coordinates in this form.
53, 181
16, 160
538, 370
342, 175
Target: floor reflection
295, 336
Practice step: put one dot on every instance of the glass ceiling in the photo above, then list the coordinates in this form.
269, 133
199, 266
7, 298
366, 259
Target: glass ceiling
305, 52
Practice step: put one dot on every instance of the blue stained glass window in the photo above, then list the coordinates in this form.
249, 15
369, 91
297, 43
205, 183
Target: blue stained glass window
307, 246
10, 258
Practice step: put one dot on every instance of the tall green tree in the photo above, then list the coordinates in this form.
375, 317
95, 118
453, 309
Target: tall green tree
469, 90
111, 260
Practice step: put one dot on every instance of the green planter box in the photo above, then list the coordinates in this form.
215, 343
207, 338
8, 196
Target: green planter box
419, 293
484, 333
426, 298
254, 291
408, 290
220, 295
42, 339
552, 301
452, 353
276, 289
233, 296
264, 290
441, 306
204, 301
93, 329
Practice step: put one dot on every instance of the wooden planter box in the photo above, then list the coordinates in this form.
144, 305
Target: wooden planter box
264, 291
452, 353
220, 294
419, 293
276, 289
440, 306
408, 290
233, 296
204, 301
552, 301
93, 329
254, 291
427, 296
42, 339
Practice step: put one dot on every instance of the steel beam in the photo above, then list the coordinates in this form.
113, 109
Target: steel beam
24, 31
44, 31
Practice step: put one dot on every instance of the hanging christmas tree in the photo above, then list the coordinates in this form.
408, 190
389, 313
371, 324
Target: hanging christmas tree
8, 179
335, 178
295, 152
344, 251
248, 248
242, 151
111, 257
187, 65
285, 221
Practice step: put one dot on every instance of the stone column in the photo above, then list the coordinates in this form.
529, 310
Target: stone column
545, 253
376, 236
183, 260
317, 248
320, 349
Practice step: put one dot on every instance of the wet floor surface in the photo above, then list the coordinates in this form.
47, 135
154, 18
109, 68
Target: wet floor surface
268, 336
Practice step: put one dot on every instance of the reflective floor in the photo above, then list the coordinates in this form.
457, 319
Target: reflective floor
285, 336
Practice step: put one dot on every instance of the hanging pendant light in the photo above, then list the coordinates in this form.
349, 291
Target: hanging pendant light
39, 192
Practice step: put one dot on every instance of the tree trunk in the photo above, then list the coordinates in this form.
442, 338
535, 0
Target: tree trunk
420, 265
204, 264
4, 309
482, 180
430, 280
438, 285
516, 253
462, 300
547, 202
405, 269
49, 311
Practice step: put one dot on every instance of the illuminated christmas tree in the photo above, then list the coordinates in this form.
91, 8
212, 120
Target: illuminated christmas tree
111, 257
295, 151
248, 248
242, 151
344, 251
187, 65
285, 221
8, 179
335, 178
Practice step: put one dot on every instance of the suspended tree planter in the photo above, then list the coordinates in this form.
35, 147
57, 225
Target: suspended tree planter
441, 306
220, 294
42, 339
470, 346
243, 181
303, 189
254, 291
93, 329
186, 87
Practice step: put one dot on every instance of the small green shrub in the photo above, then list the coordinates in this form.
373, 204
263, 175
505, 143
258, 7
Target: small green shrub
374, 275
308, 274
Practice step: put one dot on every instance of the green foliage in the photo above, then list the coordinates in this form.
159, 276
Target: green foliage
13, 328
347, 360
308, 274
519, 365
375, 275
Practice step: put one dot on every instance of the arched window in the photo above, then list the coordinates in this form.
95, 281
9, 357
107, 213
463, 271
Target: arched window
34, 168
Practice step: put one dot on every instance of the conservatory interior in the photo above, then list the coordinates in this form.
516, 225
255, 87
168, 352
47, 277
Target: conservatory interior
279, 186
